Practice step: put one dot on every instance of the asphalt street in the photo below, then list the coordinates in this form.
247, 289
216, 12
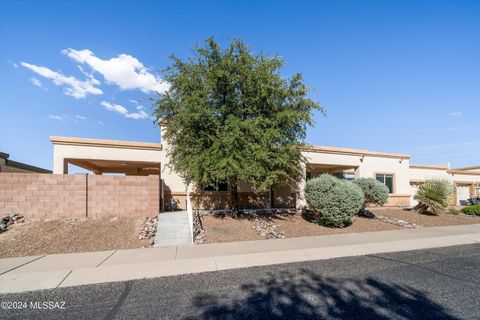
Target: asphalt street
441, 283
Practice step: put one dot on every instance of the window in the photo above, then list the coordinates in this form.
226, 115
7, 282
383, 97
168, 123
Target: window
386, 179
350, 176
222, 186
345, 175
219, 186
209, 188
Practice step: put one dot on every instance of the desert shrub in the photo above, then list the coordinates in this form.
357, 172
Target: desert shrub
433, 196
453, 211
373, 190
332, 201
473, 210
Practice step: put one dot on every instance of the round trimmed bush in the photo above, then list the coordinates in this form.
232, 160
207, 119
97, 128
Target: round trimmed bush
473, 210
333, 201
373, 190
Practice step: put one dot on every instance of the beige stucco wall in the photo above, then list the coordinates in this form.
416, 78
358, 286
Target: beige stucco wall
418, 175
367, 166
428, 174
62, 152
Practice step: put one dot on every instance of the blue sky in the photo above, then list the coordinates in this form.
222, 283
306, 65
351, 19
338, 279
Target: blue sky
394, 76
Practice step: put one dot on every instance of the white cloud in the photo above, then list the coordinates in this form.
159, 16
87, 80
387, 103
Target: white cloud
114, 107
80, 117
55, 117
72, 86
456, 114
133, 101
35, 82
140, 107
123, 111
125, 71
100, 123
138, 115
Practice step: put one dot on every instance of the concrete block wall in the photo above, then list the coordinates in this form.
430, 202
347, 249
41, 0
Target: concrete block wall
38, 195
123, 195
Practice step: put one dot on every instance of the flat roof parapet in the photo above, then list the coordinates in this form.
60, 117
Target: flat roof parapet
355, 152
429, 166
57, 140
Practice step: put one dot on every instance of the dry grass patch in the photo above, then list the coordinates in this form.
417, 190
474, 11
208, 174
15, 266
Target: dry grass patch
296, 226
224, 228
424, 220
67, 235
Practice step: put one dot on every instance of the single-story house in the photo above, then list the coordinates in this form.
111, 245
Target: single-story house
141, 158
8, 165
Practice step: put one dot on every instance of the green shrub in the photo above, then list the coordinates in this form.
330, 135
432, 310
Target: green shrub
373, 190
473, 210
433, 196
333, 201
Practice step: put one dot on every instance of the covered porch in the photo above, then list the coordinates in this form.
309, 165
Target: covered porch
340, 171
129, 168
106, 156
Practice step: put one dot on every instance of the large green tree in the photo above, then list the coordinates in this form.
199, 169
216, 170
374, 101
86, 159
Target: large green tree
233, 117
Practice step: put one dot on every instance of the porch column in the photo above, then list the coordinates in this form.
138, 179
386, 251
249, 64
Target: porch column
301, 203
60, 165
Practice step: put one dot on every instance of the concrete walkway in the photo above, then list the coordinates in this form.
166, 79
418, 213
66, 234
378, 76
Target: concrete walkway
63, 270
173, 229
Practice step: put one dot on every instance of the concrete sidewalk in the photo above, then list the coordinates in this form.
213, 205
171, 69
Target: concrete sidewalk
63, 270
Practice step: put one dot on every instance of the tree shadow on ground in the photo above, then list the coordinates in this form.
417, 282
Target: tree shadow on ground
306, 295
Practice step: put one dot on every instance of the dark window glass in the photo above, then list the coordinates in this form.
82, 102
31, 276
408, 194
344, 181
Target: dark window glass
389, 182
381, 178
222, 186
339, 175
209, 188
386, 179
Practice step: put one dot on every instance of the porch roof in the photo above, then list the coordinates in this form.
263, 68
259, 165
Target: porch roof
58, 140
355, 152
117, 166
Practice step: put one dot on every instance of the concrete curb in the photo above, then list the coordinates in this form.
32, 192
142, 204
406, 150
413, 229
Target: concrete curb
99, 267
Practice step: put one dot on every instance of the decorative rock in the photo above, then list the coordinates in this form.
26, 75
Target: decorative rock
198, 232
149, 229
397, 222
10, 219
366, 214
264, 225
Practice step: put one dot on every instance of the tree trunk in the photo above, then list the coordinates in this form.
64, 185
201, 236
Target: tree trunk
234, 195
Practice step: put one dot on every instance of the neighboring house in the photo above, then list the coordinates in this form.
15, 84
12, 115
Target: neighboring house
140, 158
7, 165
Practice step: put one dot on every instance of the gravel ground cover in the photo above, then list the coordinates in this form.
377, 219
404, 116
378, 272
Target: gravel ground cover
67, 235
224, 228
423, 220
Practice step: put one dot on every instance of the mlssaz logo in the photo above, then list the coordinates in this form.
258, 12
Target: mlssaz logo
47, 305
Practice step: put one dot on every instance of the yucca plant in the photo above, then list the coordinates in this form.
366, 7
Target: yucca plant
433, 196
